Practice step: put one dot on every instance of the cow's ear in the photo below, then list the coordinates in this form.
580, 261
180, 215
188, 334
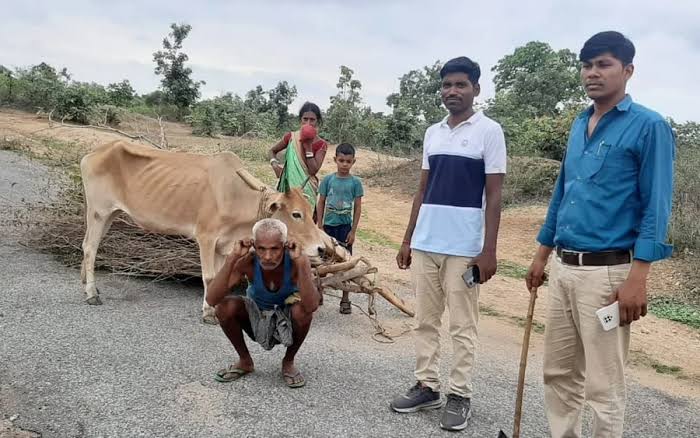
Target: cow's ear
274, 205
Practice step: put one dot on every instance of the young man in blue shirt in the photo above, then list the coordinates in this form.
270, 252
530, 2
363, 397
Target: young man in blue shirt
607, 222
453, 226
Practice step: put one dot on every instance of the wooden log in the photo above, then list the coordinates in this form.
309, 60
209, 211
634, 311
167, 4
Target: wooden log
393, 299
337, 267
335, 279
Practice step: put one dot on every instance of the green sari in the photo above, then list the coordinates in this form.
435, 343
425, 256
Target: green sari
296, 172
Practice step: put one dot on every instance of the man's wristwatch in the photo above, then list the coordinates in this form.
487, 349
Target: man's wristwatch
309, 154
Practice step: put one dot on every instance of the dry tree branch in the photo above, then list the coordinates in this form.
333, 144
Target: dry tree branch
100, 127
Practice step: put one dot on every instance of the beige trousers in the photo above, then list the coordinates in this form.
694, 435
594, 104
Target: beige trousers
579, 356
438, 281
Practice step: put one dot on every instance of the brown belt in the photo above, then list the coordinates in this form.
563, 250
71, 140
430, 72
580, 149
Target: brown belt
603, 258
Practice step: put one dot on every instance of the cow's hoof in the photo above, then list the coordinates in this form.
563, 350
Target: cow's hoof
210, 319
94, 301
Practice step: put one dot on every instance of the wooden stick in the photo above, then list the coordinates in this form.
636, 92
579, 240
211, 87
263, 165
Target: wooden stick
336, 267
393, 299
338, 278
523, 363
163, 139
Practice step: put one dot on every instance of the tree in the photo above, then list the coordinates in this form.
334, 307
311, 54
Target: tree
121, 93
536, 81
6, 85
687, 134
256, 100
419, 94
177, 82
343, 115
280, 98
40, 86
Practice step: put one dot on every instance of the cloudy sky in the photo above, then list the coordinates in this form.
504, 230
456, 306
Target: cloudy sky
236, 45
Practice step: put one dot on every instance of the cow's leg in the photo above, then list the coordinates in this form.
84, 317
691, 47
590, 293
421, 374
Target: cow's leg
97, 225
210, 266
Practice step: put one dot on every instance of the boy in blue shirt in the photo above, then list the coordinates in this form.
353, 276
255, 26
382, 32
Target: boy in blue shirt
340, 205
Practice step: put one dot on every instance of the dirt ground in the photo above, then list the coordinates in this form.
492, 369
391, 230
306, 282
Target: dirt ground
386, 212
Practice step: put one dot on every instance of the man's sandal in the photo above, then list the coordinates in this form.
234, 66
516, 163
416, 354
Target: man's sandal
295, 380
230, 374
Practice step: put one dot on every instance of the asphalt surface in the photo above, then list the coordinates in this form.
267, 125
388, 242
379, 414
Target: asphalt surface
142, 363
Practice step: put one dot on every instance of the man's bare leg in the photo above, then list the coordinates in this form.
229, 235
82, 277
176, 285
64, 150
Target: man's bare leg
233, 318
301, 322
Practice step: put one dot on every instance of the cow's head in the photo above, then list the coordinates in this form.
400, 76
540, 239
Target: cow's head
294, 210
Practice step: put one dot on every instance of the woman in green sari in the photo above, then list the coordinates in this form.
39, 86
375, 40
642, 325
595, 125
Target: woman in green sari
304, 155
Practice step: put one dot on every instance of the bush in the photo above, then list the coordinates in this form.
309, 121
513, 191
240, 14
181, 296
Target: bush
229, 115
78, 102
684, 230
38, 87
530, 179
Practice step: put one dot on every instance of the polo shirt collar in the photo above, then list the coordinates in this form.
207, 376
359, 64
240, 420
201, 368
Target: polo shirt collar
470, 121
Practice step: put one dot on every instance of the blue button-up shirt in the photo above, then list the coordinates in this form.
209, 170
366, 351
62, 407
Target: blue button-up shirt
615, 187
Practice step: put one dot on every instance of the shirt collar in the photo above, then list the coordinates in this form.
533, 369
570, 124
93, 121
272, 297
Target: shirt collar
623, 105
470, 121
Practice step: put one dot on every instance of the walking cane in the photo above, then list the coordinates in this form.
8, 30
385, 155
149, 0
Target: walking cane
523, 365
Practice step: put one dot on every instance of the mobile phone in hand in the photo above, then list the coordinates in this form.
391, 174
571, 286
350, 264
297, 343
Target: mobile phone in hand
472, 276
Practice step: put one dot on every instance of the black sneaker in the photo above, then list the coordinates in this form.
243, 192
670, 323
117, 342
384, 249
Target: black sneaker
417, 398
457, 412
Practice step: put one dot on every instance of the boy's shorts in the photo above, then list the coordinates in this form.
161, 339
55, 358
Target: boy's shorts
340, 233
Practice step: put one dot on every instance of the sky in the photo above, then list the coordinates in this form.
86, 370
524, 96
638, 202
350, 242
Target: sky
236, 45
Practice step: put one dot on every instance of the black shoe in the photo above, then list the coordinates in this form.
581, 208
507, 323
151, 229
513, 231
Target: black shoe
417, 398
457, 412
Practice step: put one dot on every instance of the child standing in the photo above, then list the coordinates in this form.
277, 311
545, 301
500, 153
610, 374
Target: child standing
340, 205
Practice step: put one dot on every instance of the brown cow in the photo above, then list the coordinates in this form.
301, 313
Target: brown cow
210, 198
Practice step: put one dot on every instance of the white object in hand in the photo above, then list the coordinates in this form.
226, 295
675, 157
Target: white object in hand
609, 316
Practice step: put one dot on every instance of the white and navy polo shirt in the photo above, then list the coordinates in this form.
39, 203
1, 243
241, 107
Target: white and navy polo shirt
451, 218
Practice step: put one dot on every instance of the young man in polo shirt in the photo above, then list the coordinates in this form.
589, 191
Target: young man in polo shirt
464, 163
608, 221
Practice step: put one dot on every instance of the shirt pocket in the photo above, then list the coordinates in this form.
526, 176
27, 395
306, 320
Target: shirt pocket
619, 163
593, 159
609, 160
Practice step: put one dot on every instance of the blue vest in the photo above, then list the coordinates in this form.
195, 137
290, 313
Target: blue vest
265, 299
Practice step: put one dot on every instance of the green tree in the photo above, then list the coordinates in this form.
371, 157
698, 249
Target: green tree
6, 85
538, 93
404, 131
40, 86
343, 114
687, 134
419, 94
536, 81
180, 89
78, 102
121, 93
256, 100
280, 98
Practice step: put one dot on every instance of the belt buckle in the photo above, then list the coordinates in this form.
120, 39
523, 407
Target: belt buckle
579, 256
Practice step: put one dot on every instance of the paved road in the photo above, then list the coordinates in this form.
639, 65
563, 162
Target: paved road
142, 364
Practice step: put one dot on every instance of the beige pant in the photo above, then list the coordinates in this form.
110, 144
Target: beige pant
579, 356
438, 280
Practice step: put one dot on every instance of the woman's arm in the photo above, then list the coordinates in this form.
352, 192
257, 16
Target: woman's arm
314, 164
